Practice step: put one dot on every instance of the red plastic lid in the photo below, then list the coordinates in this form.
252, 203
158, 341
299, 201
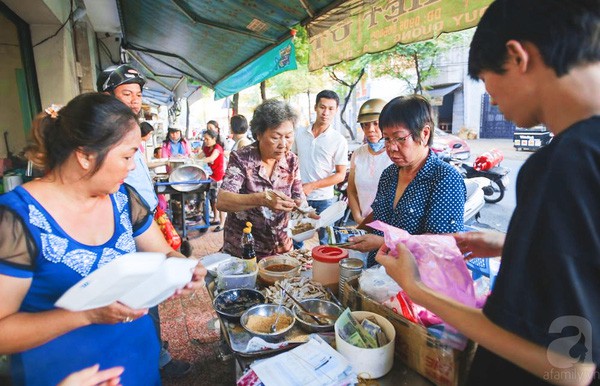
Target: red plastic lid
329, 254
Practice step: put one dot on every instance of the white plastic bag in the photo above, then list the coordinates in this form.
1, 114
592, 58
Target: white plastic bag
377, 285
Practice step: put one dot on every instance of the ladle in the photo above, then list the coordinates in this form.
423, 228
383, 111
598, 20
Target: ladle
316, 319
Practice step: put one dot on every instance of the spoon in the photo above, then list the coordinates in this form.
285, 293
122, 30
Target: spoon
278, 312
311, 314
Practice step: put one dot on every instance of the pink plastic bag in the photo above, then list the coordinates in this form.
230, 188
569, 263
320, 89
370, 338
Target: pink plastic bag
440, 263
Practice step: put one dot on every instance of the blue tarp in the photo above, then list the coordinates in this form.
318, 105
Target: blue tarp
280, 59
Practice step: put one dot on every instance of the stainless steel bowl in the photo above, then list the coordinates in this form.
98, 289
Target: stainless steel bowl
187, 173
267, 310
233, 303
317, 306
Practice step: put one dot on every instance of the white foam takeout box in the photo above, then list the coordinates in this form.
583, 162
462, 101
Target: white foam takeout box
138, 280
328, 217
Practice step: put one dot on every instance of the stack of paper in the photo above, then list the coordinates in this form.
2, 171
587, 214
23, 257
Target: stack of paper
314, 363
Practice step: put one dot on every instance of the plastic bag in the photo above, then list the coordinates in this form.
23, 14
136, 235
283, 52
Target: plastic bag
440, 263
167, 228
339, 235
377, 285
401, 304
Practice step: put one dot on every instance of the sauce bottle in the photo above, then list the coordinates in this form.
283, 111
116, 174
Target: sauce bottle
248, 253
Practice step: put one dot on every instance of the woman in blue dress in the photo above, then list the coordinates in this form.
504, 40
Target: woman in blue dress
61, 227
419, 192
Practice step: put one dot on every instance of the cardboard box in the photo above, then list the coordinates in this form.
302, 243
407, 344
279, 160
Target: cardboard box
414, 346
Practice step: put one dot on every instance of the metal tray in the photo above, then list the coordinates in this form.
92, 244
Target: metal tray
237, 337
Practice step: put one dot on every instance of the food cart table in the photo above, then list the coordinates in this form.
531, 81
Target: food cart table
165, 187
234, 336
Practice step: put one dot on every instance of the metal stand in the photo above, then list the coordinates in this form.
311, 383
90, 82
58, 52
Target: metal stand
167, 188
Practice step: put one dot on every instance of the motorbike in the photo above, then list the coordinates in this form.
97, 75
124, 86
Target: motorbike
496, 178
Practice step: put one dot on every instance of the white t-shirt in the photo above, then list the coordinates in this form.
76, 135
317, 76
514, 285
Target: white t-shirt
319, 156
367, 170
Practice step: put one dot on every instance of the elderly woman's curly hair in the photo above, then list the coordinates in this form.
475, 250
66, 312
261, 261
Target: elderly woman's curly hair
271, 114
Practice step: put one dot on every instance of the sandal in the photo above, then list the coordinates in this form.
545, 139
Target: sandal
218, 229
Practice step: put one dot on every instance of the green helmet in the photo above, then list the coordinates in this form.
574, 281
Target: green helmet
370, 110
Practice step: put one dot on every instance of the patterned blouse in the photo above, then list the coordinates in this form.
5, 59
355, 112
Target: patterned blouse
433, 202
246, 174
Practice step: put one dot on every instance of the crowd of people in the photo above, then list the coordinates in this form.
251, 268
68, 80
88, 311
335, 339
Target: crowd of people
95, 203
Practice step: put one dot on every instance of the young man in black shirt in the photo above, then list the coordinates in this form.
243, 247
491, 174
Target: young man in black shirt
540, 62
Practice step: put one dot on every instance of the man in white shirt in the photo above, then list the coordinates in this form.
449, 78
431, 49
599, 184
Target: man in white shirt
323, 154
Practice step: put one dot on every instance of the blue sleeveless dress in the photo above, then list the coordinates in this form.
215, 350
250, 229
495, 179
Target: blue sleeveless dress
58, 263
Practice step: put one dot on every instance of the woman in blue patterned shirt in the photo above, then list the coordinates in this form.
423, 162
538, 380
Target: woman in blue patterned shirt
418, 192
58, 229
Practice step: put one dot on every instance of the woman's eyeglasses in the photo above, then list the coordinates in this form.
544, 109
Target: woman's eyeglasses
399, 141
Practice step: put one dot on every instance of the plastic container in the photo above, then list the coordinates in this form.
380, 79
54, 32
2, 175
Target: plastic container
138, 280
174, 274
326, 268
271, 269
236, 273
212, 261
299, 237
368, 362
327, 217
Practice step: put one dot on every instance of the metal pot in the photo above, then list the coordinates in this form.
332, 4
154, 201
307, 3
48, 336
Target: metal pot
187, 173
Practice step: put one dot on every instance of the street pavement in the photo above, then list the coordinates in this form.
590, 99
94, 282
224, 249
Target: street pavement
497, 216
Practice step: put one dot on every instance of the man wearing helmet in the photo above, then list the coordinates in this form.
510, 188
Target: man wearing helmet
125, 83
367, 162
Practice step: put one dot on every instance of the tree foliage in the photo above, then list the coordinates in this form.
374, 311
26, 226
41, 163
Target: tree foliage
299, 81
348, 74
413, 63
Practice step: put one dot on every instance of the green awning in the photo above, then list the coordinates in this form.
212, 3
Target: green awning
280, 59
207, 42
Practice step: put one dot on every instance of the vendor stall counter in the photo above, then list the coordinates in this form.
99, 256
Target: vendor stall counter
236, 339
